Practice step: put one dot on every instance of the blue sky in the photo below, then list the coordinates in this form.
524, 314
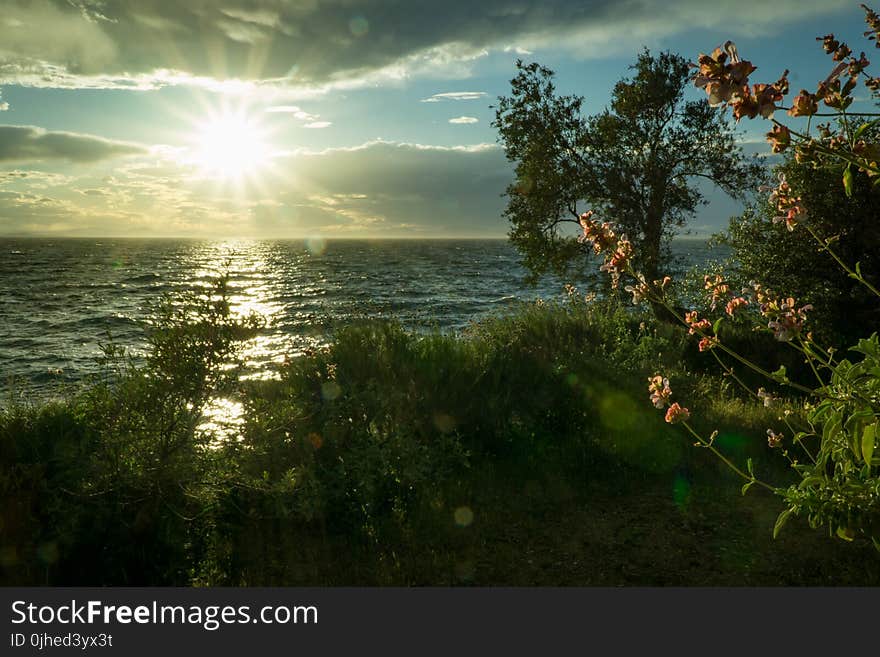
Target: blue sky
342, 118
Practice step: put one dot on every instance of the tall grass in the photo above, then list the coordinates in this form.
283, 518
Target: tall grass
367, 462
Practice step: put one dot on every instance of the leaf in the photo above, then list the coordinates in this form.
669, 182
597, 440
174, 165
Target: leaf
846, 533
747, 485
717, 325
861, 129
868, 436
780, 521
751, 467
848, 181
780, 375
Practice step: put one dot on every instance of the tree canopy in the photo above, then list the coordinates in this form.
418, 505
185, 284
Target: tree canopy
637, 162
789, 261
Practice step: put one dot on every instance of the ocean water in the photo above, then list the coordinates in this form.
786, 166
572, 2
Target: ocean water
61, 298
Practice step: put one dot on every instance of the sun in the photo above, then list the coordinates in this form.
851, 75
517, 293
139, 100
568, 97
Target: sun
231, 146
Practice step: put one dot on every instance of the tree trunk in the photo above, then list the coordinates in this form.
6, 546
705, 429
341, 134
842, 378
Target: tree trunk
650, 251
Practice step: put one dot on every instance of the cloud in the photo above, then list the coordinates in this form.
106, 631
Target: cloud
3, 106
464, 120
375, 189
313, 44
318, 124
292, 109
455, 95
29, 143
389, 188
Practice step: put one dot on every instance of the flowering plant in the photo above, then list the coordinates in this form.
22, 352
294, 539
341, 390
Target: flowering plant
834, 454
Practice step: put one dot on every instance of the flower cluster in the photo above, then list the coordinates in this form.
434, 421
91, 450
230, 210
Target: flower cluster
790, 207
695, 324
617, 249
774, 439
725, 77
660, 391
661, 394
600, 235
676, 413
717, 287
643, 290
735, 304
779, 138
786, 319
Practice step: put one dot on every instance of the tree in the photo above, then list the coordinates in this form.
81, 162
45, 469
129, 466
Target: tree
636, 162
789, 262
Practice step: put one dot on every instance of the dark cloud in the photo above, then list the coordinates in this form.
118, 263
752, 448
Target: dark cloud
28, 143
308, 42
384, 187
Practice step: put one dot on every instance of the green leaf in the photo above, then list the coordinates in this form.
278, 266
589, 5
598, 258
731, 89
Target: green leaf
751, 467
747, 485
848, 181
780, 375
861, 129
780, 521
868, 436
846, 533
717, 325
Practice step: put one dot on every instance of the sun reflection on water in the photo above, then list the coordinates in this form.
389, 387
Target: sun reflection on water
222, 418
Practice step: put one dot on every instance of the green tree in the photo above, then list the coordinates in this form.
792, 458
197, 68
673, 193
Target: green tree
637, 161
790, 263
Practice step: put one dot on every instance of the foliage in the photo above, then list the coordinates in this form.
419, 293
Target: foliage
111, 486
637, 160
787, 260
838, 488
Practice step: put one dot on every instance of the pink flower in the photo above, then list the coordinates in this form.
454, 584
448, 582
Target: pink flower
789, 206
779, 138
735, 304
717, 287
690, 318
660, 391
639, 292
707, 343
804, 104
774, 439
786, 321
676, 414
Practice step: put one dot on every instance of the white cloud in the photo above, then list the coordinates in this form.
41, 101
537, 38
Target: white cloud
464, 120
455, 95
292, 109
317, 125
314, 45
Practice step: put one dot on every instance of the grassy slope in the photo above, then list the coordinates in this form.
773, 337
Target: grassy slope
350, 470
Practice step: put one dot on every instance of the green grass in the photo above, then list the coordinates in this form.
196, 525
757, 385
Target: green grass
524, 452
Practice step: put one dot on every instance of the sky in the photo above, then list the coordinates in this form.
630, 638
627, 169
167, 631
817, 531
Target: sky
333, 118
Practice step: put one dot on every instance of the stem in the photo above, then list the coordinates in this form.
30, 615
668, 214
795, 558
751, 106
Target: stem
809, 357
732, 374
727, 462
782, 107
853, 274
862, 164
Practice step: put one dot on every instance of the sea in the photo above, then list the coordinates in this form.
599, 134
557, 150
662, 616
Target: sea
61, 299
